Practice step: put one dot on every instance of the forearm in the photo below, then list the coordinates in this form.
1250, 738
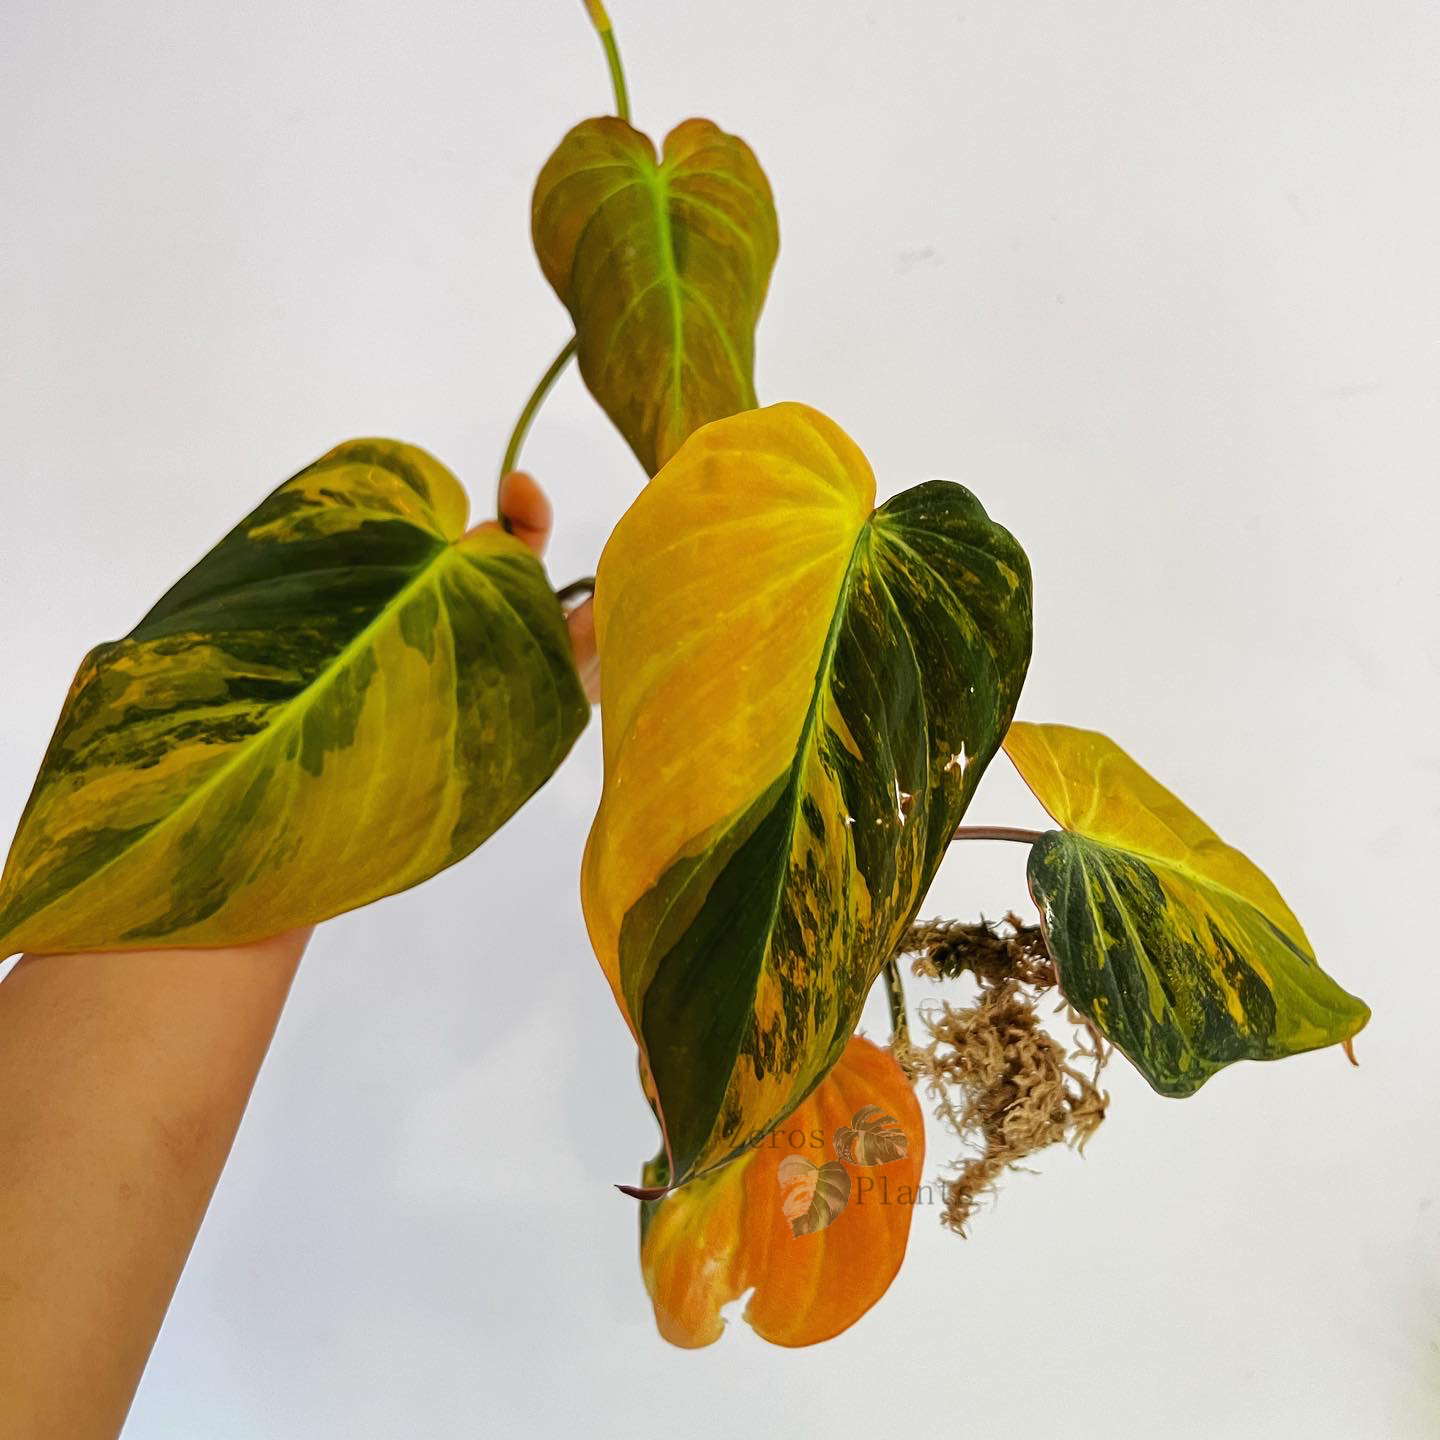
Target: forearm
123, 1079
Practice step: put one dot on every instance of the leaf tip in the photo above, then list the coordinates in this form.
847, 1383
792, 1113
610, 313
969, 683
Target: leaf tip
645, 1192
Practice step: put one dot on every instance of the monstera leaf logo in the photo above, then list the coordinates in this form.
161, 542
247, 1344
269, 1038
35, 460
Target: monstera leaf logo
812, 1196
871, 1138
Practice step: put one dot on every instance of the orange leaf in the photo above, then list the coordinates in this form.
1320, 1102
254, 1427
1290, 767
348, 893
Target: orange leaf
707, 1243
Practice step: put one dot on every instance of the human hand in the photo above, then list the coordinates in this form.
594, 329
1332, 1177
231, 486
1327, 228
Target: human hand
527, 508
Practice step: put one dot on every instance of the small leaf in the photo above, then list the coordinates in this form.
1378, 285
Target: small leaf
871, 1138
345, 696
708, 1243
800, 696
663, 267
1174, 944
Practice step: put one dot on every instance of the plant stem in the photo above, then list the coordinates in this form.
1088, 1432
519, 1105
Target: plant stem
899, 1020
996, 832
522, 425
585, 585
601, 22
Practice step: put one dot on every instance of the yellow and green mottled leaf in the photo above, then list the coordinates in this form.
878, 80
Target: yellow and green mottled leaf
663, 266
800, 696
1172, 942
346, 695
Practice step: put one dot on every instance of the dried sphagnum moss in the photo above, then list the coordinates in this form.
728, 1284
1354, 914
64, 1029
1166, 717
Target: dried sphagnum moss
999, 1081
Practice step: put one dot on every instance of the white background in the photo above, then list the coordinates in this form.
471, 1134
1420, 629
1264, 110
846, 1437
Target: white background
1159, 282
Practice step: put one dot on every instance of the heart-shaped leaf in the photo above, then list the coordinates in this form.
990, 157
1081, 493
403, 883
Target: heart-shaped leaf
871, 1138
1173, 943
814, 1195
663, 266
708, 1243
800, 697
346, 695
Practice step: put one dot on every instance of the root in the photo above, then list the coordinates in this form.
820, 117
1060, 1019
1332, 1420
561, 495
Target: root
1004, 1085
948, 949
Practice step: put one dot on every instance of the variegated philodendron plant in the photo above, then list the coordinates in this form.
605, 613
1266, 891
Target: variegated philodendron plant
802, 692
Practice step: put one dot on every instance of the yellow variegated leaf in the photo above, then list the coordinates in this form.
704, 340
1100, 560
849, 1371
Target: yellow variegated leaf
708, 1243
800, 697
1176, 945
346, 695
663, 266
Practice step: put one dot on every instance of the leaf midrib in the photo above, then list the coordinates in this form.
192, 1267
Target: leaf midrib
802, 749
656, 181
